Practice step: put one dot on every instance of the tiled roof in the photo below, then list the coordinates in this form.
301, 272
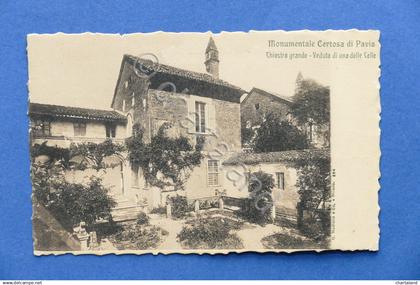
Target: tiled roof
270, 94
273, 157
150, 66
75, 113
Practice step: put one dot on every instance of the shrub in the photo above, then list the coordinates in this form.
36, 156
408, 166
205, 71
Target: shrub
277, 135
159, 210
71, 203
208, 204
286, 241
138, 237
314, 193
209, 233
179, 206
142, 218
316, 225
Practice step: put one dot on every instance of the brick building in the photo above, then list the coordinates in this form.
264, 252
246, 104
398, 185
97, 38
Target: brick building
195, 104
259, 103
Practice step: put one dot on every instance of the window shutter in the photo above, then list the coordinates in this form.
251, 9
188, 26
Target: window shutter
211, 114
190, 120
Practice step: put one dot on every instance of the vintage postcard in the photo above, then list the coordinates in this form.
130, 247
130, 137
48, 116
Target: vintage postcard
204, 143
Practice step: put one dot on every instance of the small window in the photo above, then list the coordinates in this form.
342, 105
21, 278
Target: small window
123, 106
79, 129
213, 173
257, 106
133, 100
248, 124
111, 131
280, 180
42, 128
200, 117
126, 84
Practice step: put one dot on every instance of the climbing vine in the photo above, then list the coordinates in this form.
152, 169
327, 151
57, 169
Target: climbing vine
165, 161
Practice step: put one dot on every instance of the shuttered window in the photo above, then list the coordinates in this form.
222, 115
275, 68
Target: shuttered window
111, 131
200, 117
280, 180
213, 172
42, 128
79, 129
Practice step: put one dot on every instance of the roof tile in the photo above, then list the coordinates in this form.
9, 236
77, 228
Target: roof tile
75, 112
273, 157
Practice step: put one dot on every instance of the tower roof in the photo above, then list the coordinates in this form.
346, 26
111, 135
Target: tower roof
211, 45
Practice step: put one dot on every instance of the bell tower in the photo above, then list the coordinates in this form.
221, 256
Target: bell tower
212, 59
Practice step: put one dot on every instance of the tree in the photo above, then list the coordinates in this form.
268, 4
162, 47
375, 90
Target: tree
71, 203
311, 103
246, 134
277, 135
260, 202
314, 188
165, 161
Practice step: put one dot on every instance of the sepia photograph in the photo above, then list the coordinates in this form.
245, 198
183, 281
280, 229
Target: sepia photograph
212, 141
187, 155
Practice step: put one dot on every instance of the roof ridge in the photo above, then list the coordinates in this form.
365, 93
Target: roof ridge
64, 106
280, 96
167, 68
74, 112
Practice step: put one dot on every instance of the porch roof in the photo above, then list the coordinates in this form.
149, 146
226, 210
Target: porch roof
36, 109
274, 157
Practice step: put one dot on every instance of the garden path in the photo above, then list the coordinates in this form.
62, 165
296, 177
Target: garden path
172, 226
251, 236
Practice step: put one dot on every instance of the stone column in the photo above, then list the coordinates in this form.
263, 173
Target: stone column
196, 206
93, 241
273, 212
169, 210
83, 238
221, 203
82, 235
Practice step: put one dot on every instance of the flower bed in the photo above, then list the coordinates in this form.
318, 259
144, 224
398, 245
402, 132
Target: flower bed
210, 233
138, 235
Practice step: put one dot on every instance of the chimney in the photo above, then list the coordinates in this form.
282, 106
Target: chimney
212, 59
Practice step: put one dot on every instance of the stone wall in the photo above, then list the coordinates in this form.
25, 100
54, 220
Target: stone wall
256, 106
154, 107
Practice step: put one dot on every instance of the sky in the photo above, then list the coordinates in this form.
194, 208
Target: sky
82, 69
